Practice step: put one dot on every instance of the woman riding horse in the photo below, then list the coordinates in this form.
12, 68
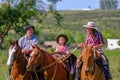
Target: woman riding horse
95, 39
90, 70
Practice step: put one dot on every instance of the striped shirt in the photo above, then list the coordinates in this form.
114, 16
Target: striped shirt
96, 41
25, 43
62, 48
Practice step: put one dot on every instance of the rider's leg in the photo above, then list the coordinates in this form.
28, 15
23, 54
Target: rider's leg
71, 67
71, 70
78, 68
106, 67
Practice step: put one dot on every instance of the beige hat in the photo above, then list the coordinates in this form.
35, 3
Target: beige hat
91, 25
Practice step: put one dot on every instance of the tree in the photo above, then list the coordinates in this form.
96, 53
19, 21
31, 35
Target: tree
14, 14
108, 4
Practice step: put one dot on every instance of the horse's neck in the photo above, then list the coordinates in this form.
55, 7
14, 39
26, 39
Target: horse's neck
47, 59
20, 61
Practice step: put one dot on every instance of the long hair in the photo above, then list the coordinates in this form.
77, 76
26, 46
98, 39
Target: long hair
93, 33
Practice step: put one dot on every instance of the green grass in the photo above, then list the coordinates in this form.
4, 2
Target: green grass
3, 67
112, 55
114, 60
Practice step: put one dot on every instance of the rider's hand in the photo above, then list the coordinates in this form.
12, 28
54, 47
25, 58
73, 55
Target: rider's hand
94, 47
81, 45
26, 51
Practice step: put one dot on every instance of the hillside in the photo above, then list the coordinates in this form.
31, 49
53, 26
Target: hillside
108, 23
72, 23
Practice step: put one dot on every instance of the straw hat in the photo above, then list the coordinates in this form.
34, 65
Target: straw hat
91, 25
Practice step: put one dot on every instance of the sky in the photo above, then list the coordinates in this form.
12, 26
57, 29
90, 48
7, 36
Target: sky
78, 4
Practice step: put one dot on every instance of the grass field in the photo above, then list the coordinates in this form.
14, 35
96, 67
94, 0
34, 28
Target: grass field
113, 56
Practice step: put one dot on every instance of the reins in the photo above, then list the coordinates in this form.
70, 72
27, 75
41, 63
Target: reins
63, 58
93, 65
56, 62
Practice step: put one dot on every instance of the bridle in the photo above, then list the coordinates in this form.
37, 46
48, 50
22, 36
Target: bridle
46, 67
91, 67
17, 58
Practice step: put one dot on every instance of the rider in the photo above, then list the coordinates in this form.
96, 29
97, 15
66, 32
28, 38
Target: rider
62, 47
28, 40
95, 39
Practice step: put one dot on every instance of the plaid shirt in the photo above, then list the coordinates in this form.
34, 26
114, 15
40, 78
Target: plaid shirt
62, 48
96, 41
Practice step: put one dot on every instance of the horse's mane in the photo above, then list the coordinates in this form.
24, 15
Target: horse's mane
58, 52
42, 50
88, 50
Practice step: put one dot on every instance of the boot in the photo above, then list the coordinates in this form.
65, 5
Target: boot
77, 73
107, 72
71, 76
72, 70
78, 69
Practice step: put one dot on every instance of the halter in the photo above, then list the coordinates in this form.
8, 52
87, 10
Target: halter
91, 66
16, 59
44, 68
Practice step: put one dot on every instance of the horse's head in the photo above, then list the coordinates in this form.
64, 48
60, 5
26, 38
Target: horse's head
35, 58
13, 50
88, 58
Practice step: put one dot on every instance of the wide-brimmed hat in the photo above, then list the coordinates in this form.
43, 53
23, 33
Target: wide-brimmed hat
91, 25
29, 26
62, 35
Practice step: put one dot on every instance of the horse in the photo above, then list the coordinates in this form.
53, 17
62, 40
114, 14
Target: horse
90, 70
53, 68
18, 62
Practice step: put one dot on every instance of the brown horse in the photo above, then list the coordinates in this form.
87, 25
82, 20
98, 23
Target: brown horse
90, 70
18, 62
54, 70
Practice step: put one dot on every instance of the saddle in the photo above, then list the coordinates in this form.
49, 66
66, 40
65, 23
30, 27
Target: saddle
61, 57
97, 58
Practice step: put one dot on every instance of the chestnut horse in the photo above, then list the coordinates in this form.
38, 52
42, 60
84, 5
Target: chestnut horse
90, 70
53, 69
18, 62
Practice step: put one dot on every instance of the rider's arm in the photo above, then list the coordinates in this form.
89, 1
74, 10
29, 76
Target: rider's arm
98, 46
24, 51
101, 41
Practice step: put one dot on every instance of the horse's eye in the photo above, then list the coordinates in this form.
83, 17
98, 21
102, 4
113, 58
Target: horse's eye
35, 55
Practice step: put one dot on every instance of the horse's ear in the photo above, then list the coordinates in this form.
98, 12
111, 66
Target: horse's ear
33, 46
10, 42
37, 46
92, 47
16, 42
85, 45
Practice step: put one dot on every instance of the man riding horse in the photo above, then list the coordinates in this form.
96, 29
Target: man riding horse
26, 43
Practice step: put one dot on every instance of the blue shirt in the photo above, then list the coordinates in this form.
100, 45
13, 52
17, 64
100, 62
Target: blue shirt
25, 43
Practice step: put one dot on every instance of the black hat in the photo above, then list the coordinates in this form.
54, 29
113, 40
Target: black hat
29, 26
62, 35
